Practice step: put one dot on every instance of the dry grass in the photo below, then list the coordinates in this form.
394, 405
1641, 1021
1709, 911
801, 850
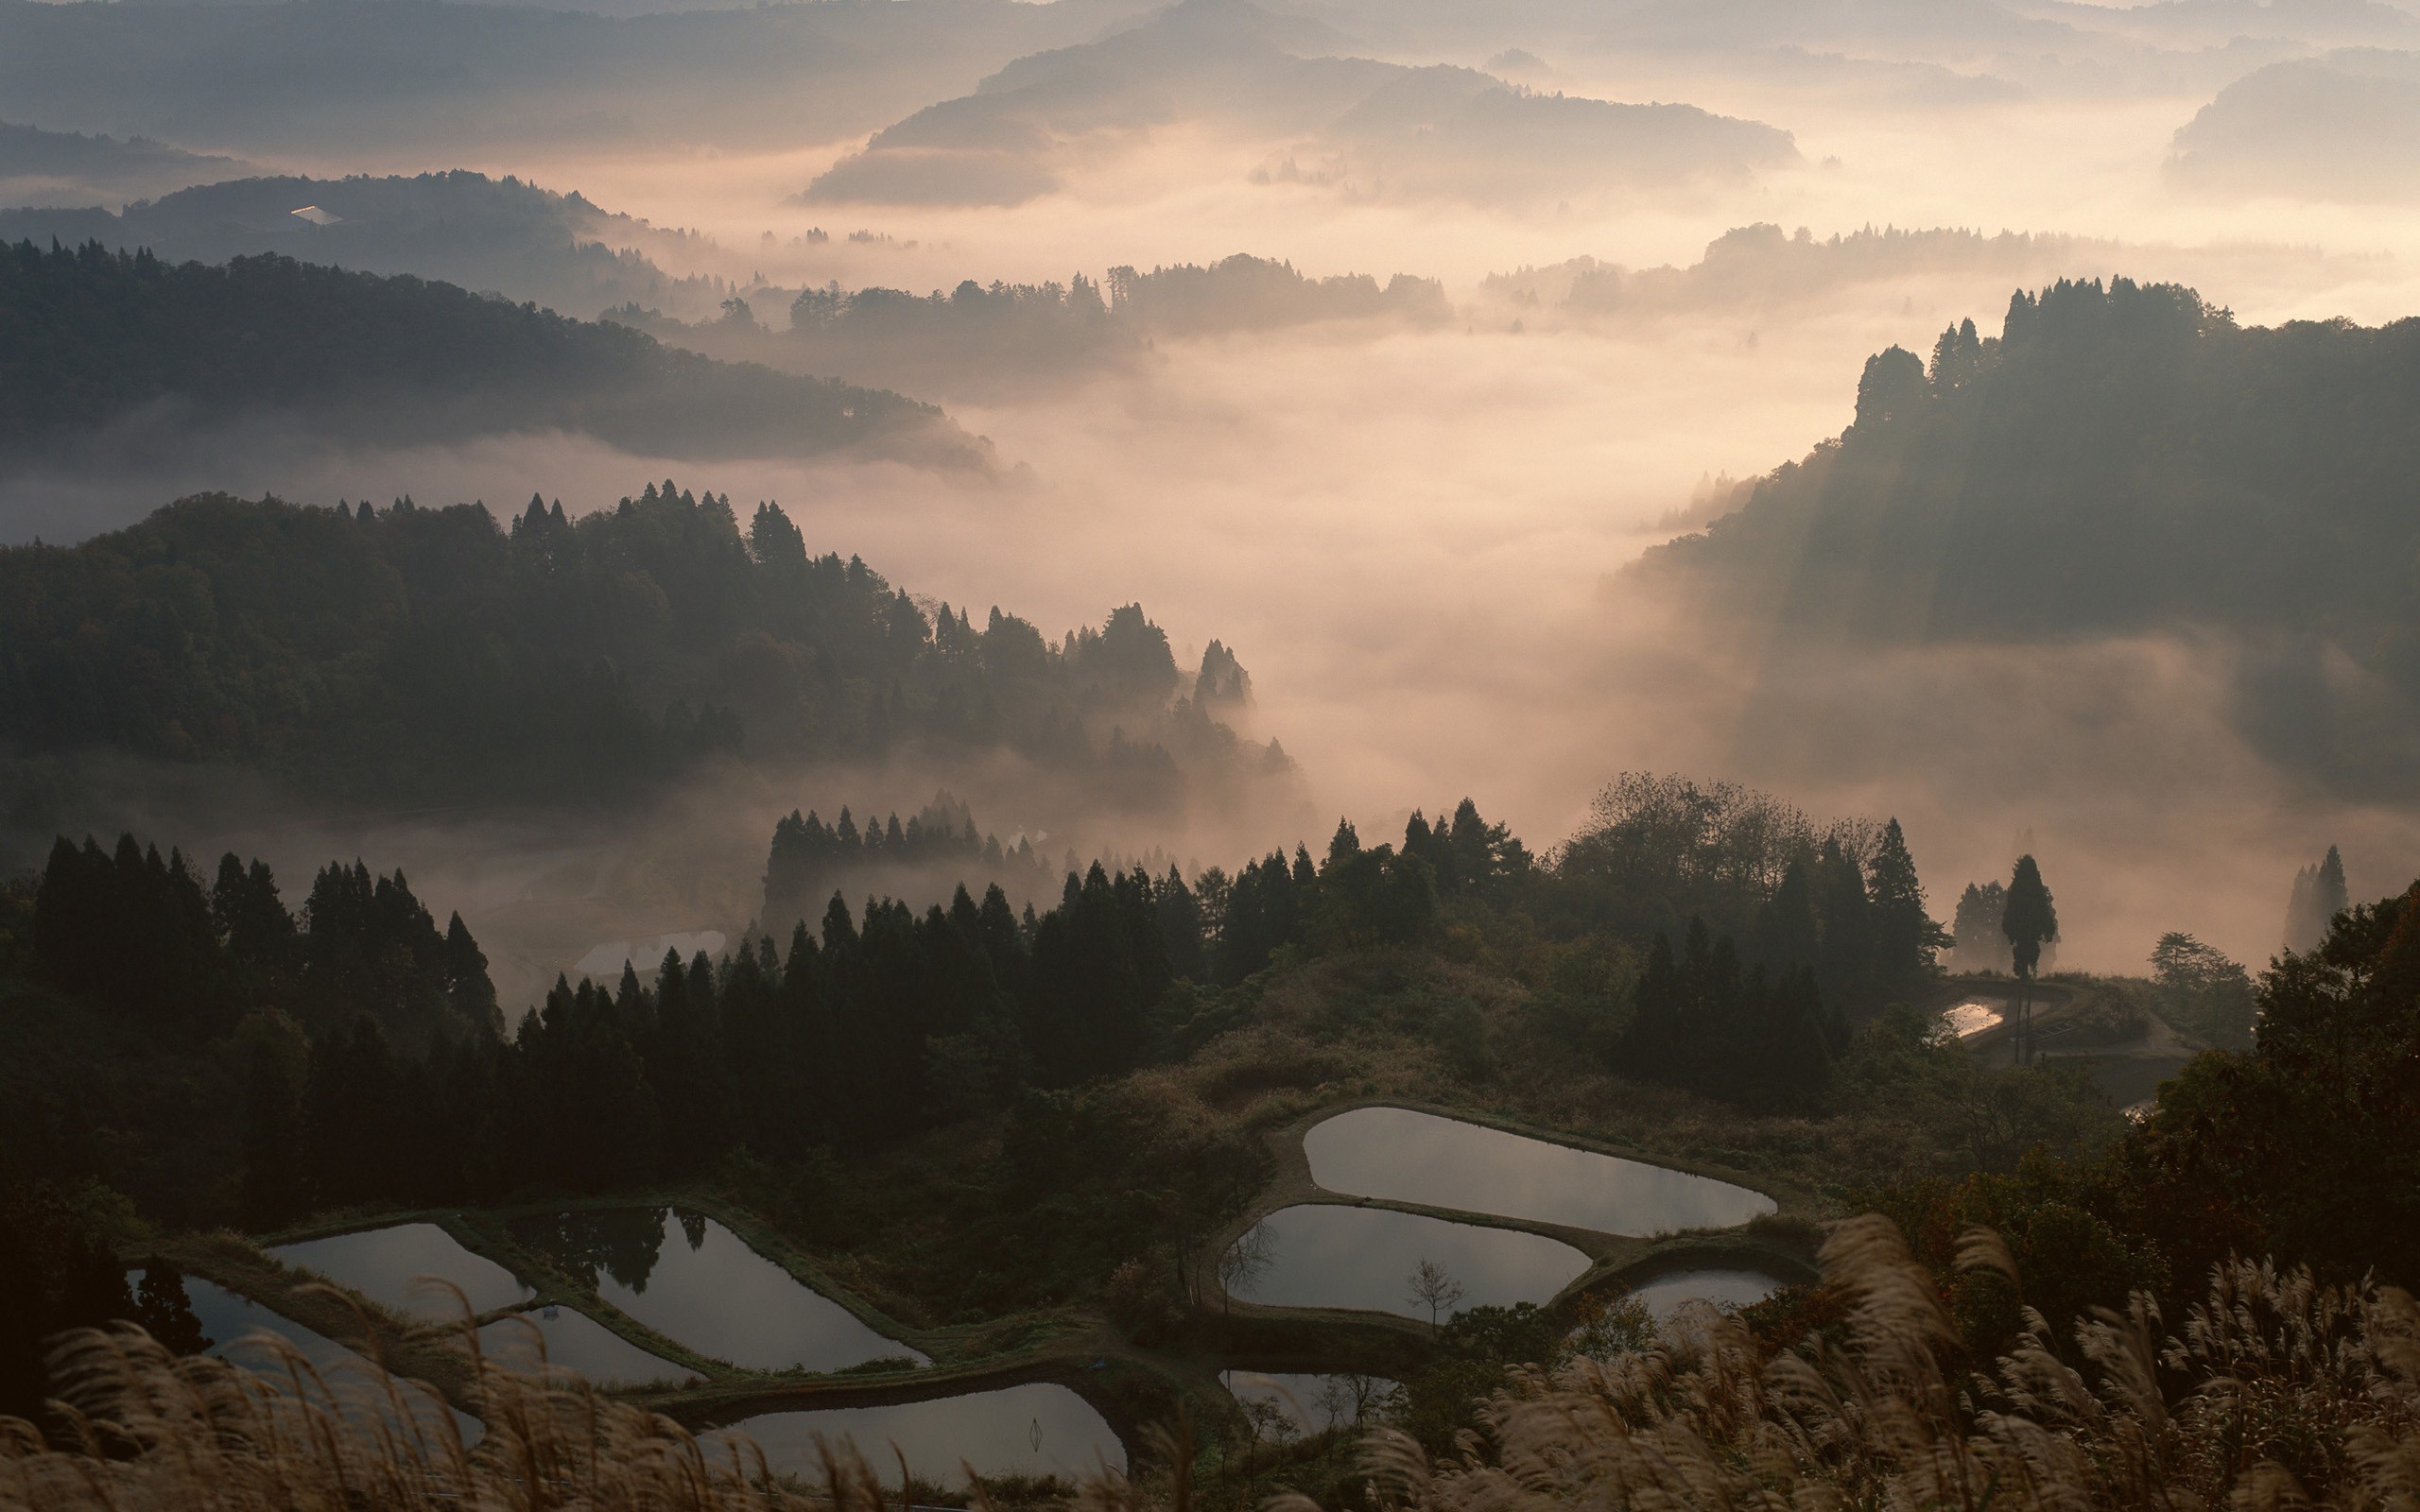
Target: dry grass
146, 1431
2275, 1394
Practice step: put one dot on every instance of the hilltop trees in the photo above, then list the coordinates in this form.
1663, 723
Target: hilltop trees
2319, 895
2029, 922
96, 336
2206, 994
428, 654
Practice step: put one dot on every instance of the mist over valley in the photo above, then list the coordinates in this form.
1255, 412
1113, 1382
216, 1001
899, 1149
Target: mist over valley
1244, 754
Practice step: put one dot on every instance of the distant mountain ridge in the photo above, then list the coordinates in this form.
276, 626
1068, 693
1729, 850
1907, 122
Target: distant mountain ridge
1439, 130
39, 167
90, 338
465, 228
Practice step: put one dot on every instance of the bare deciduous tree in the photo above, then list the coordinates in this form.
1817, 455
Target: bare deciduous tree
1432, 1286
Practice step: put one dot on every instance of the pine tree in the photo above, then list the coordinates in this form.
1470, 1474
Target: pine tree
1906, 939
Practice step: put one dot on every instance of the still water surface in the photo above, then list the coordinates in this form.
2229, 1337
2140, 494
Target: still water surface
572, 1340
1311, 1403
1323, 1255
382, 1264
1725, 1289
235, 1325
691, 1280
1036, 1429
1402, 1156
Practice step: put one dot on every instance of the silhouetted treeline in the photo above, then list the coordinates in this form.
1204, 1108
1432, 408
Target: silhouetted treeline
411, 653
811, 860
1236, 293
89, 336
463, 228
2119, 459
146, 936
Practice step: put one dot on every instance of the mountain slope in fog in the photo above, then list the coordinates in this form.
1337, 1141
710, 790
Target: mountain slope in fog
315, 78
2345, 126
1761, 269
974, 340
483, 233
39, 167
427, 654
2120, 461
95, 339
1360, 123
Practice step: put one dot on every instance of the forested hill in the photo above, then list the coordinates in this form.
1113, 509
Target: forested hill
412, 654
461, 227
2119, 459
90, 336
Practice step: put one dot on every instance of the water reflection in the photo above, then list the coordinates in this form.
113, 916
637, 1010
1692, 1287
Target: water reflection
239, 1329
1038, 1429
1960, 1020
572, 1340
1304, 1403
1725, 1290
690, 1279
384, 1265
1403, 1156
1323, 1255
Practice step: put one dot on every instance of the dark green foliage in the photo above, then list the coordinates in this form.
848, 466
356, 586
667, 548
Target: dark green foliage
166, 1312
2307, 1148
1906, 939
2203, 994
429, 655
1702, 1022
135, 932
58, 1272
2124, 458
2028, 919
89, 336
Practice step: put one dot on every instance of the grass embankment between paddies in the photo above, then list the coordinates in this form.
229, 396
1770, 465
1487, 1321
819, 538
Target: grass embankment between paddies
1307, 1041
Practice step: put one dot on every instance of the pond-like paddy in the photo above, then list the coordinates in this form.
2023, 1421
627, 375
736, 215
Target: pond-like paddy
695, 1281
1401, 1156
384, 1265
1323, 1255
572, 1340
1961, 1020
1307, 1403
1037, 1429
235, 1324
1724, 1289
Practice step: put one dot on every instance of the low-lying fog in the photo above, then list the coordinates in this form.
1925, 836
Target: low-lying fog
1413, 538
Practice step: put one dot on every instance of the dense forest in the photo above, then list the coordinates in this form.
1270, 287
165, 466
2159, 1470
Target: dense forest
977, 338
413, 654
39, 167
461, 227
976, 1102
2122, 458
90, 336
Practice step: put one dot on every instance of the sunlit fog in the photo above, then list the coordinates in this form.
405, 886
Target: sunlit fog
1662, 492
